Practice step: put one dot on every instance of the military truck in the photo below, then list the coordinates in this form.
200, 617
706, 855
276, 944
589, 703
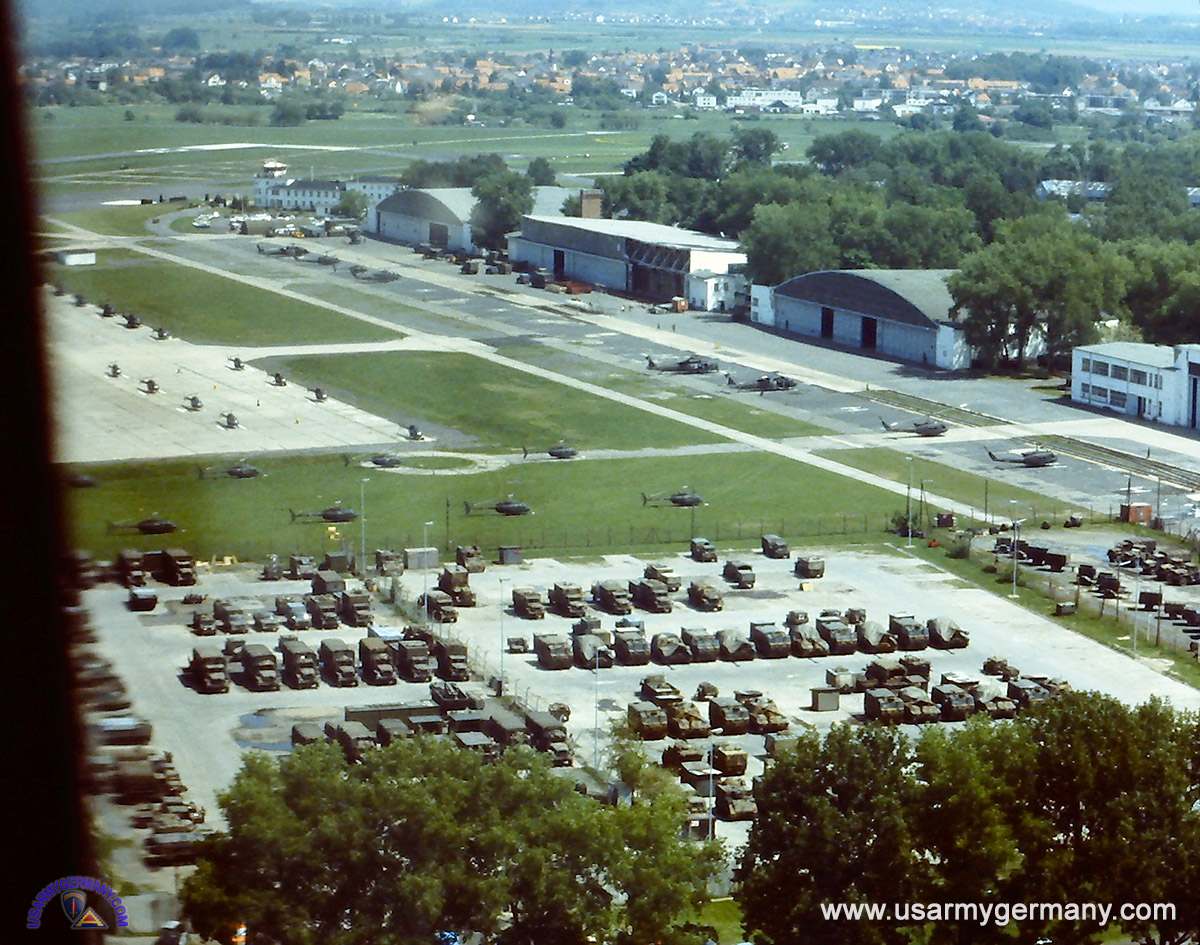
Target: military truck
328, 582
765, 717
591, 652
728, 715
775, 547
337, 659
954, 702
631, 647
702, 644
910, 635
1025, 692
998, 666
567, 600
650, 595
553, 651
703, 596
735, 647
997, 706
807, 641
306, 733
735, 800
208, 669
837, 633
203, 625
354, 607
267, 622
260, 669
680, 753
545, 730
376, 658
667, 649
873, 637
916, 667
771, 642
883, 705
470, 558
449, 696
354, 738
294, 612
886, 673
179, 568
302, 567
391, 730
612, 596
451, 659
945, 634
300, 669
684, 720
703, 550
918, 707
664, 575
130, 568
322, 611
438, 606
656, 689
528, 603
454, 580
738, 573
809, 566
648, 721
231, 615
729, 759
415, 663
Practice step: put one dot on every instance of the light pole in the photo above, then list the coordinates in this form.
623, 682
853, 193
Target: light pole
362, 568
425, 574
1015, 543
908, 503
596, 716
500, 688
924, 513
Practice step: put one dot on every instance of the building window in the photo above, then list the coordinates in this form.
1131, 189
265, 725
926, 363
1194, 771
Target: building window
1120, 372
1138, 377
1085, 365
1117, 398
1099, 393
1158, 382
1084, 390
1100, 367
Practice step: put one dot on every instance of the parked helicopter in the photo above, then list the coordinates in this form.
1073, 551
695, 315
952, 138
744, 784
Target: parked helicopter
926, 427
229, 421
132, 321
1034, 458
114, 370
319, 395
327, 260
161, 334
334, 513
382, 460
239, 470
767, 382
154, 525
151, 385
379, 275
238, 364
692, 364
559, 451
192, 402
509, 506
684, 498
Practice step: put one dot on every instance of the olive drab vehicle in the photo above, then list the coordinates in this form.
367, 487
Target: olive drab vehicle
650, 595
553, 650
337, 659
631, 647
300, 669
567, 600
667, 649
735, 646
701, 549
703, 645
664, 575
209, 669
528, 603
612, 596
647, 720
738, 573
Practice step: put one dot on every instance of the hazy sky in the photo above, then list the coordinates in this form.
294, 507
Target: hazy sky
1167, 7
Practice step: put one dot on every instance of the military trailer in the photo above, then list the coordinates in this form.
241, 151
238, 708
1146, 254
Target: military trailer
883, 705
376, 658
945, 634
454, 581
337, 659
322, 610
413, 659
838, 634
910, 635
738, 573
954, 702
470, 557
260, 669
208, 669
650, 595
354, 607
703, 550
771, 642
306, 733
918, 707
438, 606
667, 649
841, 679
449, 696
567, 600
451, 660
684, 720
680, 753
391, 730
179, 568
553, 650
915, 667
809, 566
656, 689
775, 547
591, 652
328, 582
998, 666
631, 647
807, 641
735, 800
354, 738
613, 597
703, 596
873, 637
729, 760
648, 721
300, 669
702, 644
735, 647
855, 616
664, 575
728, 715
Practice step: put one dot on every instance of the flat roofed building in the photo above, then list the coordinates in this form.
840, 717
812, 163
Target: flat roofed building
1154, 382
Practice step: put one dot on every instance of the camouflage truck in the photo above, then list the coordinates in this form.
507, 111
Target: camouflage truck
553, 650
131, 568
260, 668
454, 581
667, 649
765, 717
954, 702
413, 660
809, 566
730, 760
231, 615
945, 634
910, 635
684, 720
775, 547
337, 659
807, 641
735, 800
703, 550
771, 642
883, 705
873, 637
702, 644
664, 575
735, 647
703, 596
613, 597
918, 707
728, 715
451, 658
528, 603
837, 633
591, 652
469, 557
648, 721
739, 574
322, 611
354, 738
376, 658
650, 595
354, 607
656, 689
567, 600
300, 670
1025, 692
438, 606
631, 647
208, 669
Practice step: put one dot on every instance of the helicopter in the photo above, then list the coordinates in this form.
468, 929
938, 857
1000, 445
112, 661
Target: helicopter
107, 310
692, 364
683, 498
229, 421
926, 427
151, 385
763, 384
114, 370
327, 260
509, 506
161, 334
319, 395
239, 470
559, 451
382, 460
192, 402
278, 380
334, 513
147, 526
132, 321
238, 364
1033, 458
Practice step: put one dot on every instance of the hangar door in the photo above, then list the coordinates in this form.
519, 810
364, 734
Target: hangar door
439, 235
870, 331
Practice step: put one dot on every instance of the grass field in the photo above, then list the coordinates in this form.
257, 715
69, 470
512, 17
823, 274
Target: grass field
119, 221
581, 506
205, 308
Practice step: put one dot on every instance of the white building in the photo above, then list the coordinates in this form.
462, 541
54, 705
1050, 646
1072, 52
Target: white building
1155, 382
441, 216
764, 98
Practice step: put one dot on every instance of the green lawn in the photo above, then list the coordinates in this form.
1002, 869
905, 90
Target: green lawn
206, 308
724, 915
118, 221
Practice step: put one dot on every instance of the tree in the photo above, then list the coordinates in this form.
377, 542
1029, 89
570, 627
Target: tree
184, 38
785, 241
287, 113
352, 205
753, 145
424, 837
502, 199
540, 173
835, 154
